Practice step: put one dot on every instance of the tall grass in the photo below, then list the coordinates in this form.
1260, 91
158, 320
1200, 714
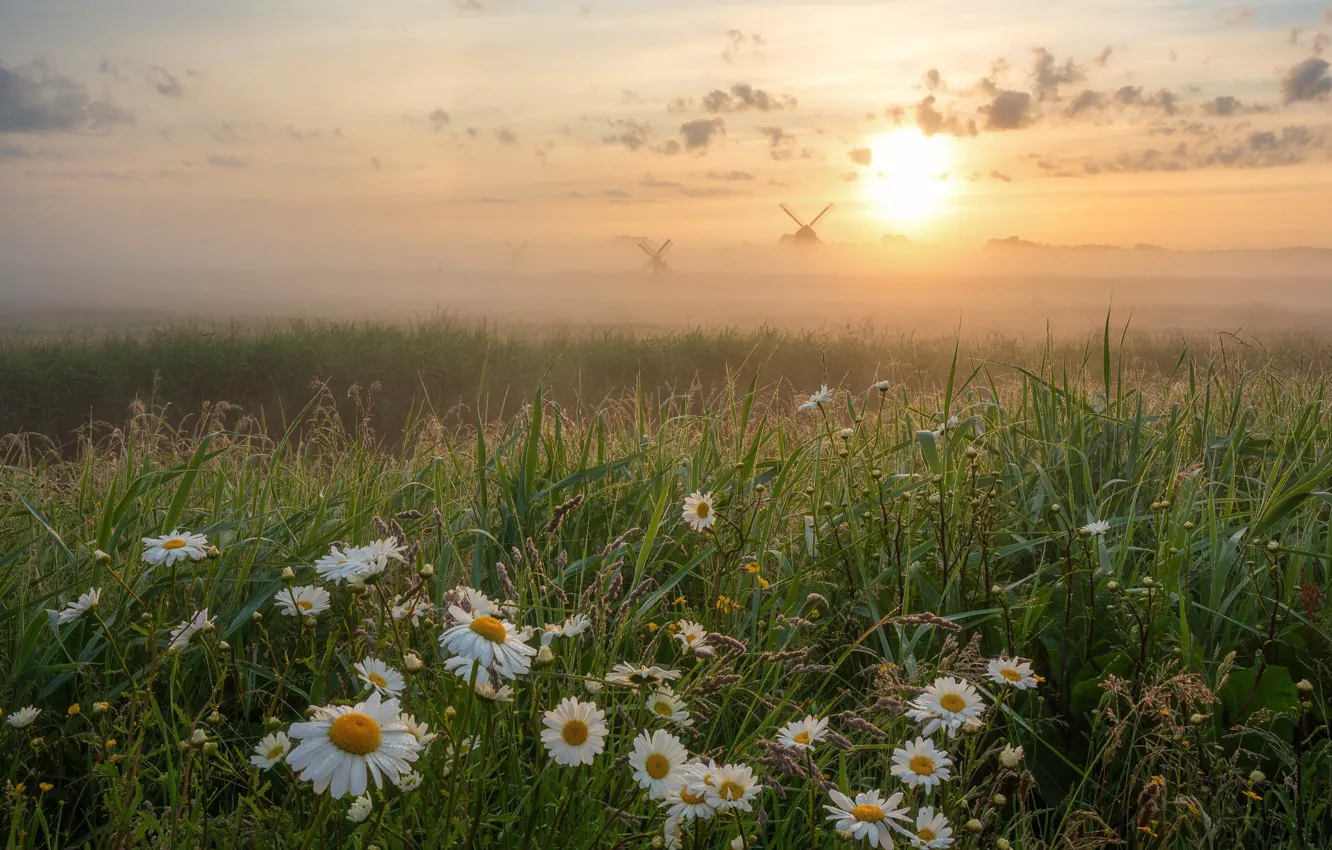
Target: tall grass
1171, 643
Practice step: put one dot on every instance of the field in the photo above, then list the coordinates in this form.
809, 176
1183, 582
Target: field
1141, 519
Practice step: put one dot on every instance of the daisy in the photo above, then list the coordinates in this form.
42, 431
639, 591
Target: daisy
24, 717
341, 744
628, 674
173, 547
673, 831
340, 564
657, 761
946, 704
487, 691
307, 601
76, 609
1096, 528
665, 704
575, 732
270, 750
378, 675
411, 781
1010, 756
867, 816
359, 809
690, 635
732, 786
572, 627
420, 731
487, 640
187, 629
466, 668
410, 609
690, 800
803, 734
699, 511
823, 396
920, 764
387, 549
882, 386
932, 830
1008, 671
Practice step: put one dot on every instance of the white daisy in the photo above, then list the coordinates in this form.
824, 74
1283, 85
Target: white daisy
487, 640
690, 634
341, 744
690, 800
932, 830
411, 781
410, 609
378, 675
920, 764
572, 627
270, 750
803, 734
340, 564
575, 732
76, 609
699, 511
882, 386
732, 786
947, 704
307, 601
665, 704
176, 546
634, 676
380, 552
359, 809
823, 396
24, 717
1010, 756
487, 691
187, 629
1096, 528
1009, 671
868, 816
657, 761
673, 831
420, 731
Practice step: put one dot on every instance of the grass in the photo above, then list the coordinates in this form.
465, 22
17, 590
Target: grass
1183, 648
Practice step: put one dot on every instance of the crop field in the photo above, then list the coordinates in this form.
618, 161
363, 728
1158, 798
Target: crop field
700, 591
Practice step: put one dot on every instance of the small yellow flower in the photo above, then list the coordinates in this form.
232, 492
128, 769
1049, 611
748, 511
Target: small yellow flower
1148, 830
45, 786
20, 788
1252, 796
110, 742
763, 582
1165, 712
752, 567
73, 710
1158, 780
652, 627
679, 600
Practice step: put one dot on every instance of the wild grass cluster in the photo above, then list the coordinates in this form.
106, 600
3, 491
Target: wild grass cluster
1042, 606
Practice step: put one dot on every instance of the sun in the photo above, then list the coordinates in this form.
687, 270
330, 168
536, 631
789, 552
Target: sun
909, 176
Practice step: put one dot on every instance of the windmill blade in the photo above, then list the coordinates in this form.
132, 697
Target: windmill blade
820, 215
646, 250
646, 267
787, 210
665, 246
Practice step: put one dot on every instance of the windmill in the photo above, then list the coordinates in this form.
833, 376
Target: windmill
516, 251
656, 258
805, 235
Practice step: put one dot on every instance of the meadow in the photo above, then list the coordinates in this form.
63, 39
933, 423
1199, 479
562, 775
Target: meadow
715, 589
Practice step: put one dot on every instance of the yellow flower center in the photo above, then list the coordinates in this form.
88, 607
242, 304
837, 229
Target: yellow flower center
304, 604
691, 798
378, 680
1010, 674
925, 834
355, 733
690, 638
490, 628
802, 738
662, 707
703, 510
922, 765
952, 702
731, 791
867, 813
657, 766
275, 751
574, 732
174, 543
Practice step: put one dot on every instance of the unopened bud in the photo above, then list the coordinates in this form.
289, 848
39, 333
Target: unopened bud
1055, 508
412, 662
215, 717
996, 590
100, 557
971, 452
544, 657
101, 707
1188, 525
658, 842
271, 723
288, 574
213, 553
257, 617
1112, 585
210, 747
197, 737
974, 826
1148, 581
1197, 719
1304, 686
426, 571
450, 713
1257, 777
1273, 546
224, 646
1002, 844
999, 800
309, 622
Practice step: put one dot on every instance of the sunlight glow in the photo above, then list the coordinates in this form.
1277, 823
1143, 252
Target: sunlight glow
909, 179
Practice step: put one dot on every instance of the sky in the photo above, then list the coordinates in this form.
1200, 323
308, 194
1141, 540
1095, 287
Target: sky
327, 133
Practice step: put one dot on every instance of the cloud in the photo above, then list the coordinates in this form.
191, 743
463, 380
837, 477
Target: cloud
1236, 16
8, 151
1291, 145
36, 99
1226, 106
736, 43
995, 175
713, 192
1307, 80
439, 119
1048, 75
1010, 110
1102, 59
1087, 101
932, 121
166, 84
730, 176
506, 136
743, 97
653, 183
860, 156
631, 134
226, 161
698, 134
934, 81
376, 164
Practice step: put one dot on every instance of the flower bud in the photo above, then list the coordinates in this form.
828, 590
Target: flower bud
1273, 546
450, 713
210, 747
544, 657
1188, 525
224, 646
1257, 777
309, 622
999, 800
426, 571
658, 842
592, 686
101, 707
1112, 585
197, 737
971, 727
215, 717
1055, 508
213, 553
256, 617
1304, 686
1197, 719
1002, 844
271, 723
1148, 581
288, 574
996, 590
412, 663
974, 826
971, 452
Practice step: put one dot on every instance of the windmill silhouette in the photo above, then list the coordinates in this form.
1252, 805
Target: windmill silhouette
805, 235
656, 262
516, 252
